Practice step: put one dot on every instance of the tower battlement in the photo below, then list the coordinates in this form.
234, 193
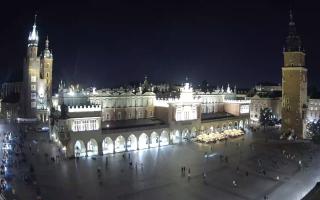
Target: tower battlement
84, 108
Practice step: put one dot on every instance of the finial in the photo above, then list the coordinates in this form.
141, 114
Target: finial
35, 19
291, 23
47, 42
187, 78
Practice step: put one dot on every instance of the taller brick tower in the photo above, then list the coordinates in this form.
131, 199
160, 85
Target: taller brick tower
294, 83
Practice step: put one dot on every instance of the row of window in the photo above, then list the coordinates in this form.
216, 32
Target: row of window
129, 116
124, 102
85, 125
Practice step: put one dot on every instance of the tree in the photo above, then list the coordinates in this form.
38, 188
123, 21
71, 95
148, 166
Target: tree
313, 131
266, 117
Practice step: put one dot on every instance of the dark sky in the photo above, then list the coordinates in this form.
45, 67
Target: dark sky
106, 43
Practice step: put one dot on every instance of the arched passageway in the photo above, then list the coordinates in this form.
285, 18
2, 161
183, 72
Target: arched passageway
224, 127
154, 139
132, 143
230, 126
92, 147
236, 125
79, 148
175, 137
120, 144
193, 132
241, 124
185, 134
107, 145
164, 138
246, 124
218, 129
143, 141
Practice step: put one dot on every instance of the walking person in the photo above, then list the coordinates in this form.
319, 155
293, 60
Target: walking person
234, 183
204, 177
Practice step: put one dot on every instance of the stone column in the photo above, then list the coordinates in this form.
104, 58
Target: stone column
100, 150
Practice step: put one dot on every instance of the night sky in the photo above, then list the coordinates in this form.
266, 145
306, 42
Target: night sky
107, 43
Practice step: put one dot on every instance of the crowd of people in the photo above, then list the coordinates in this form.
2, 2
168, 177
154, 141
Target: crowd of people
218, 136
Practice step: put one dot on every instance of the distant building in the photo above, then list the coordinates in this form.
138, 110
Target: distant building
260, 102
268, 87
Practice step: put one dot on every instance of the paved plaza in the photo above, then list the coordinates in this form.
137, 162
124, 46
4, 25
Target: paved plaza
253, 162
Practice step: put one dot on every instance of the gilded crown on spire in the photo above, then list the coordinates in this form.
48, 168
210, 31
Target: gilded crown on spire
33, 38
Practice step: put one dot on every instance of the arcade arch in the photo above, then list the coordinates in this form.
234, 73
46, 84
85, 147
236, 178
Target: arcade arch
143, 141
92, 147
164, 138
120, 144
107, 145
154, 139
132, 143
79, 148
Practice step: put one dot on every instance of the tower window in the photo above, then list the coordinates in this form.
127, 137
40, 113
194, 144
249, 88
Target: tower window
33, 79
47, 75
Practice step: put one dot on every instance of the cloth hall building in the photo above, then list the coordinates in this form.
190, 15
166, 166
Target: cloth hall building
96, 122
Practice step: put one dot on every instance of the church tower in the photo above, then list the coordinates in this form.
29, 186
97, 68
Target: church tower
46, 69
31, 74
294, 83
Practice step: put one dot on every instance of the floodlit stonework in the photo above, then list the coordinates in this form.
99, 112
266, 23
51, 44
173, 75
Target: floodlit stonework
294, 85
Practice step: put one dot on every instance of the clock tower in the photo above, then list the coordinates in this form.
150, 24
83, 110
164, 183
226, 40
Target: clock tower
294, 84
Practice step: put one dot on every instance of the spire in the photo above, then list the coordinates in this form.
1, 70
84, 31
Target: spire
293, 41
33, 35
291, 18
47, 53
47, 43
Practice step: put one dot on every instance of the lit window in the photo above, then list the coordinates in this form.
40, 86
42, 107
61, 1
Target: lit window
33, 87
33, 104
33, 79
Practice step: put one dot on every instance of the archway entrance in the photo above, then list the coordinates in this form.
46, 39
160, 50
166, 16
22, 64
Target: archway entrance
79, 149
175, 137
246, 124
92, 147
164, 138
236, 125
241, 124
224, 127
193, 132
185, 134
230, 126
120, 144
107, 145
143, 141
132, 143
218, 129
154, 140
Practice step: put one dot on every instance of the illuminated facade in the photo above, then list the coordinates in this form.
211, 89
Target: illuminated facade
294, 84
107, 121
37, 79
